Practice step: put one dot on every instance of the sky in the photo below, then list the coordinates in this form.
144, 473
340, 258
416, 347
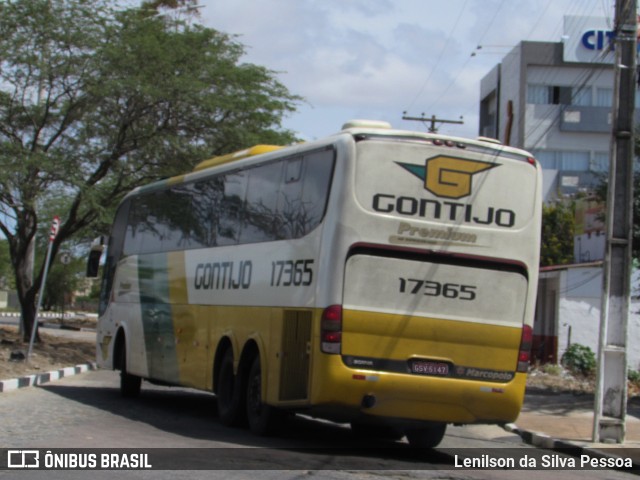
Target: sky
375, 59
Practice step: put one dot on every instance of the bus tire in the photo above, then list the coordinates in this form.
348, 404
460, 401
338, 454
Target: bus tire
263, 419
129, 384
426, 437
229, 392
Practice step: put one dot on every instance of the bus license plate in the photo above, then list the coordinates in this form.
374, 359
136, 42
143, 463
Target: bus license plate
421, 367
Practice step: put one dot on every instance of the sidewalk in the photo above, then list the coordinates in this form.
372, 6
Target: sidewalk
564, 420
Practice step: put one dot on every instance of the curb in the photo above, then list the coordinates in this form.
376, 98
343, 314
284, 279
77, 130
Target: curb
42, 378
541, 440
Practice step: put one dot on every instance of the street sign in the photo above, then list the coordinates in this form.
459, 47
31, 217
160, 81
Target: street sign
55, 225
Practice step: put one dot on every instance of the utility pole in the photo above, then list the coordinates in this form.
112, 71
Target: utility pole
432, 120
611, 382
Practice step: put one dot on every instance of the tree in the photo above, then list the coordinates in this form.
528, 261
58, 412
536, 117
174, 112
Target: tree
601, 195
95, 101
558, 226
5, 265
63, 280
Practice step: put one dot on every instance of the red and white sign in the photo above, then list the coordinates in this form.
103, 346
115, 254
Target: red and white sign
55, 225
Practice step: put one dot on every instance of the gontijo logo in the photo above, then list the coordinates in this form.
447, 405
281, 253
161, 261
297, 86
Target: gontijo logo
448, 177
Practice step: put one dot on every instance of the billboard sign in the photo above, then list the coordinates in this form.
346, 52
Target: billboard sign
588, 40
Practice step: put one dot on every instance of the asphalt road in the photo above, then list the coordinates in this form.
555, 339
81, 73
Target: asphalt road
87, 412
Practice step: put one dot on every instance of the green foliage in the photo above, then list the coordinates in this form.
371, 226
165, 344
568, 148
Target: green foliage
552, 369
579, 359
633, 376
154, 5
601, 195
6, 277
558, 226
96, 100
61, 283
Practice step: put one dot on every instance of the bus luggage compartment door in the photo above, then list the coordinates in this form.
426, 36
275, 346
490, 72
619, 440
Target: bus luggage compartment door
294, 368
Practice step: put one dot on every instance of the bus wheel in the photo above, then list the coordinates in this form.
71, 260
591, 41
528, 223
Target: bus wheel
129, 384
263, 419
426, 437
229, 392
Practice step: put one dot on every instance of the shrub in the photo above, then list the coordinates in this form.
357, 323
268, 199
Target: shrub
579, 359
552, 369
633, 376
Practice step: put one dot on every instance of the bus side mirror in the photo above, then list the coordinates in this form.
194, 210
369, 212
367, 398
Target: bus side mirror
93, 263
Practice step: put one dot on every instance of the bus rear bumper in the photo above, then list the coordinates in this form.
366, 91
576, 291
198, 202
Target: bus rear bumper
417, 398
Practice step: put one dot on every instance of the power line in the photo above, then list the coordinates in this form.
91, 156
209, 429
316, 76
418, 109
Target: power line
464, 66
439, 59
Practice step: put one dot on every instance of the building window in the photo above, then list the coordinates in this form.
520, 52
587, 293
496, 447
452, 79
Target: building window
547, 159
604, 97
575, 161
537, 94
556, 95
563, 161
600, 162
581, 97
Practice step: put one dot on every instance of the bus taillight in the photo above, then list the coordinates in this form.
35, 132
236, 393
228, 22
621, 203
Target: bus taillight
524, 354
331, 329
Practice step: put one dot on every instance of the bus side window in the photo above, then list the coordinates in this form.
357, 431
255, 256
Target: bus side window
136, 225
260, 215
293, 170
290, 207
195, 229
206, 196
207, 204
177, 227
315, 189
305, 192
114, 252
228, 227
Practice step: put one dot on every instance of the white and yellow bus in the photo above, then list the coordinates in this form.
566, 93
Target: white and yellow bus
380, 277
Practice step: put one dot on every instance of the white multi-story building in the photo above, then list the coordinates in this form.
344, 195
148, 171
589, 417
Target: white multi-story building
555, 100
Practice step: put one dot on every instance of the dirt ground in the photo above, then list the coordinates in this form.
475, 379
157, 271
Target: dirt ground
53, 353
539, 381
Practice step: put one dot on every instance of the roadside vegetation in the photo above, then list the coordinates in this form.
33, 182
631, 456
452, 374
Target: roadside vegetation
576, 373
97, 99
